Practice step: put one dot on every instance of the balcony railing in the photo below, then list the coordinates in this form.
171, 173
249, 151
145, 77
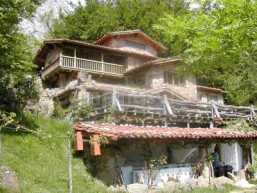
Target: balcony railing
174, 110
81, 64
92, 66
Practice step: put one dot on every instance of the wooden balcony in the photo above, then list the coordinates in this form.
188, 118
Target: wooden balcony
81, 64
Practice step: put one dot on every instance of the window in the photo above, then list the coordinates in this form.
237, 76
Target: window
210, 98
136, 45
174, 79
213, 98
68, 51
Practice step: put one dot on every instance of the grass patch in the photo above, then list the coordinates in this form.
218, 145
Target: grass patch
41, 161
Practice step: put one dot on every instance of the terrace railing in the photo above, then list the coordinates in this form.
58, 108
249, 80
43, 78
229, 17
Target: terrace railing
92, 66
81, 64
171, 109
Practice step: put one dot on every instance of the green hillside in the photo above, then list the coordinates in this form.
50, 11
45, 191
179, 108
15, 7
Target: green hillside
41, 161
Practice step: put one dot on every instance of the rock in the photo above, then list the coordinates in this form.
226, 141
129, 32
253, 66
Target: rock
244, 184
233, 177
137, 188
206, 171
118, 189
45, 103
221, 181
9, 179
172, 186
199, 182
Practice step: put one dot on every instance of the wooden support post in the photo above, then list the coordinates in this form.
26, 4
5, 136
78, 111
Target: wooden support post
95, 146
70, 186
165, 122
167, 105
115, 100
102, 61
252, 154
253, 114
211, 124
79, 141
75, 57
215, 110
188, 125
61, 59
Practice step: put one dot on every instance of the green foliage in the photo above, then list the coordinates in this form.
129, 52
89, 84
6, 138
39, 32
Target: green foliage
59, 111
219, 45
240, 125
81, 112
4, 190
96, 18
156, 162
16, 58
40, 161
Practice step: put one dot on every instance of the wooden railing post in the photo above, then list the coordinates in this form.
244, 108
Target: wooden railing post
102, 62
115, 101
61, 59
167, 105
75, 58
252, 114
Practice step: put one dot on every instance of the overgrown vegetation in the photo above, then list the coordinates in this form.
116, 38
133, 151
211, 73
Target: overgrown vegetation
218, 44
240, 125
16, 66
40, 160
96, 18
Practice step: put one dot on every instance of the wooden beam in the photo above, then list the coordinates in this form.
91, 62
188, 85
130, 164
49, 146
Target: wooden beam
95, 146
167, 105
79, 141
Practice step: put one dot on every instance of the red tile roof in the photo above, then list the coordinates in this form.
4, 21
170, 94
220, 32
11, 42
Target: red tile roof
116, 132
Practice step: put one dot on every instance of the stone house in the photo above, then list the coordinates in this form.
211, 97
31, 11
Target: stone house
159, 112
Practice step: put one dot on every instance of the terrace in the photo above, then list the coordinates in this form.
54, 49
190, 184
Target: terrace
89, 60
169, 110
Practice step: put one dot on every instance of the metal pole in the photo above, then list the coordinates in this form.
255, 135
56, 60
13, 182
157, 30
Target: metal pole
69, 166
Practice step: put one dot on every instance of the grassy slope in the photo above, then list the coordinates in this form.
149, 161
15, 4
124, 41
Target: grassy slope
41, 163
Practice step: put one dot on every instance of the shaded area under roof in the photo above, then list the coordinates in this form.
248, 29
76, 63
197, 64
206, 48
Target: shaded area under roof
41, 54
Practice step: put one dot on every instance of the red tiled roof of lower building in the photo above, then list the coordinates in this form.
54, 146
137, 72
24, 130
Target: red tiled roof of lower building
117, 132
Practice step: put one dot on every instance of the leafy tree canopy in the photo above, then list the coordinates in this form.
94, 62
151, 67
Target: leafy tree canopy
15, 58
219, 45
93, 20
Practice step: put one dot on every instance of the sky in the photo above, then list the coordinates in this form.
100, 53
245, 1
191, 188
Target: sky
36, 26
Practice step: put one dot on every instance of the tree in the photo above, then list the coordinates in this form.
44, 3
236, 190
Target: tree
16, 58
16, 65
96, 18
218, 44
